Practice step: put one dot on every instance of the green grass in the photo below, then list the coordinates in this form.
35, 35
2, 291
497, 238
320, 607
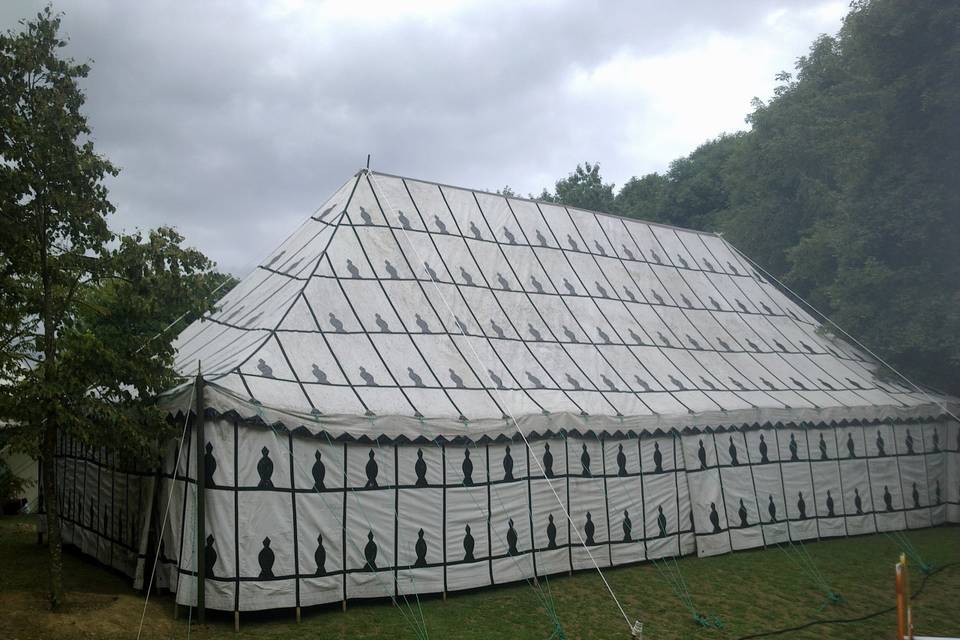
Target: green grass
750, 592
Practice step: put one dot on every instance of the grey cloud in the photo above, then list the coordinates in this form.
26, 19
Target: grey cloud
233, 125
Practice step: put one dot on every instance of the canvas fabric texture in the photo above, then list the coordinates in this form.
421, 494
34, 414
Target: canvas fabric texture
418, 387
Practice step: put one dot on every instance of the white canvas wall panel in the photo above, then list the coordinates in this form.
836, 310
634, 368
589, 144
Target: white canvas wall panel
624, 489
510, 532
420, 549
508, 462
468, 544
263, 459
589, 534
184, 553
914, 489
703, 479
625, 503
687, 535
879, 440
220, 549
857, 497
799, 499
370, 542
852, 442
370, 466
953, 488
908, 439
888, 499
936, 469
773, 514
218, 451
317, 463
828, 498
90, 540
622, 458
170, 529
657, 454
420, 466
740, 499
267, 552
550, 526
661, 516
320, 546
105, 517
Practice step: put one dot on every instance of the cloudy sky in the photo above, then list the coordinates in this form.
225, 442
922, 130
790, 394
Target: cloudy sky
234, 120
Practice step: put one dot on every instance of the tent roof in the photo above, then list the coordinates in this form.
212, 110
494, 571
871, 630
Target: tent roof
405, 308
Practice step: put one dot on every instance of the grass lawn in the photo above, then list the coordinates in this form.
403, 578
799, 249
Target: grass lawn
750, 592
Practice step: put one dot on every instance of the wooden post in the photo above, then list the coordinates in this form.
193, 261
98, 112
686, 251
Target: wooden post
236, 622
906, 597
201, 502
344, 605
298, 615
901, 579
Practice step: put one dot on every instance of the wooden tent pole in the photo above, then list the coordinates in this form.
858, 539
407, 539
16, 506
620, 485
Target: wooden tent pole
201, 501
901, 571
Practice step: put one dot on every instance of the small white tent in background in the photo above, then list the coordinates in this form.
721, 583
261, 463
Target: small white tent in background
428, 389
18, 480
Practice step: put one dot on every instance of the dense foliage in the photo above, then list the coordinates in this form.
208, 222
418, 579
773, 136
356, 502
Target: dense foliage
846, 187
84, 340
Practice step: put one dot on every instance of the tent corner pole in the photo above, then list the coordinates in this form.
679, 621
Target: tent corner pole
201, 500
236, 621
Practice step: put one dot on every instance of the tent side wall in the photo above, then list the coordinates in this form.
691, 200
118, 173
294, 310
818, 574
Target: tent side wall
105, 505
297, 520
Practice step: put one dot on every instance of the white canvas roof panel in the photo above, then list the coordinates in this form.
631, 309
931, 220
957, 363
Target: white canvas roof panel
446, 310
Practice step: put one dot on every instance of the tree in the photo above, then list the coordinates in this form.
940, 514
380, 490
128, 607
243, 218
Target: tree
82, 356
644, 198
693, 193
584, 189
849, 183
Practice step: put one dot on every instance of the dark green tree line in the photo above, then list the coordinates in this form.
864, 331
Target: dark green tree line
846, 186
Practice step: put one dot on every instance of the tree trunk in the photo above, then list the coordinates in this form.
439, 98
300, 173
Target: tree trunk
54, 544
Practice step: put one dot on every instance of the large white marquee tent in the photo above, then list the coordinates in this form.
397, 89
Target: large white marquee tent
427, 389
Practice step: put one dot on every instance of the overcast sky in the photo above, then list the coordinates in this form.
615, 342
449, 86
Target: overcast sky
234, 120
